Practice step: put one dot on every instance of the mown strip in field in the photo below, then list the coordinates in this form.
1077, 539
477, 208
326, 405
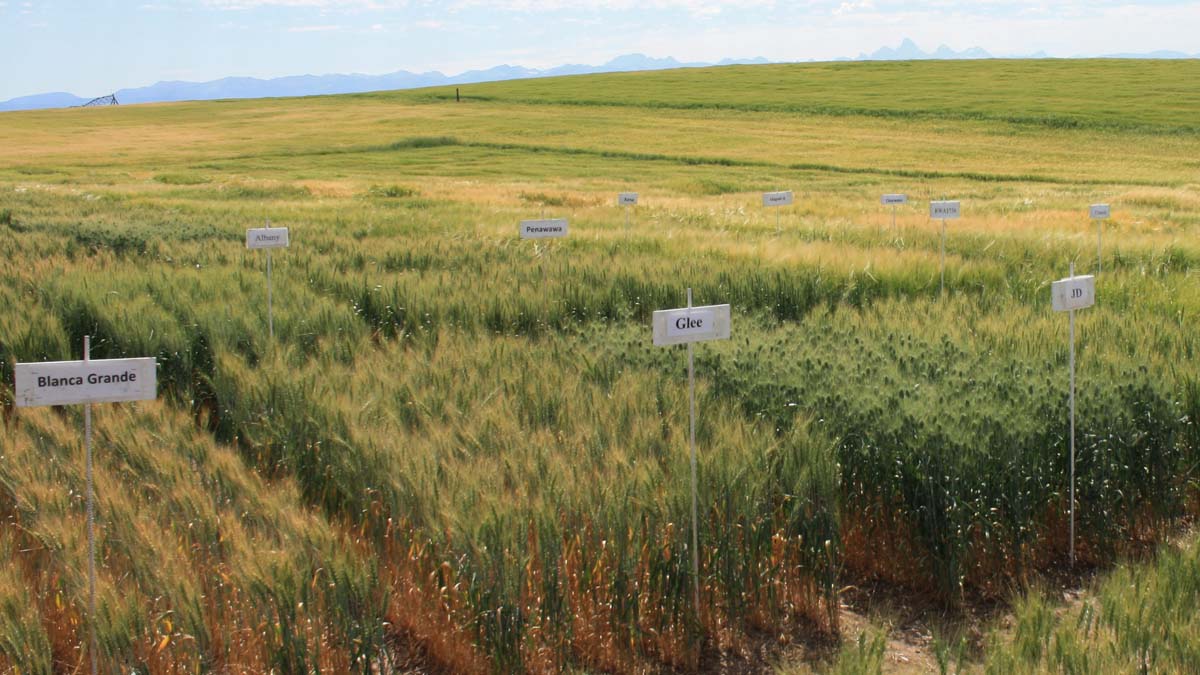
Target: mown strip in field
1056, 122
419, 143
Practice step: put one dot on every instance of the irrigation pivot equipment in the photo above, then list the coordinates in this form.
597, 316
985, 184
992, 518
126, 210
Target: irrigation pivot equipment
111, 99
1068, 295
944, 211
1099, 213
268, 237
86, 382
686, 326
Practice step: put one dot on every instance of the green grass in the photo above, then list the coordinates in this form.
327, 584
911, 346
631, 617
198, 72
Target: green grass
1138, 619
466, 442
1119, 95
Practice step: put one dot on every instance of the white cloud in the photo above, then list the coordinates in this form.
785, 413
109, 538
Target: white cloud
312, 4
313, 29
699, 7
854, 6
704, 8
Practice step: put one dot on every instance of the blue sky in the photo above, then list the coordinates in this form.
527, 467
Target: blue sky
93, 48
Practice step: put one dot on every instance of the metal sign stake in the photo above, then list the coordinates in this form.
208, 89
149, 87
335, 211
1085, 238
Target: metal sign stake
270, 309
1068, 295
688, 325
893, 200
627, 200
1071, 314
943, 286
692, 448
776, 200
1099, 213
942, 211
56, 383
91, 513
268, 238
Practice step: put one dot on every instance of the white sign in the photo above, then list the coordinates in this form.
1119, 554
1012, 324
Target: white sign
627, 199
694, 324
777, 198
944, 210
267, 237
1099, 211
892, 200
1073, 293
71, 382
542, 229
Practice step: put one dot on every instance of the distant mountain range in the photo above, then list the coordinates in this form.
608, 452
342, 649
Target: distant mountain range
315, 85
909, 51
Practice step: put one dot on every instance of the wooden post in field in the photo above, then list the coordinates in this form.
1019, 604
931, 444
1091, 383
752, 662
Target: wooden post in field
687, 326
1068, 295
86, 382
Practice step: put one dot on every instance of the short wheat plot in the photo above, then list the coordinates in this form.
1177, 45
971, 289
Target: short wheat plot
462, 451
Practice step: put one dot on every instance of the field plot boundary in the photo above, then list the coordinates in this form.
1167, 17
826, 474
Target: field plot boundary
423, 143
1057, 122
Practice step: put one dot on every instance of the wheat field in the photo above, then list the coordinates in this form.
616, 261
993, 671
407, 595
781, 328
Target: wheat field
462, 453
